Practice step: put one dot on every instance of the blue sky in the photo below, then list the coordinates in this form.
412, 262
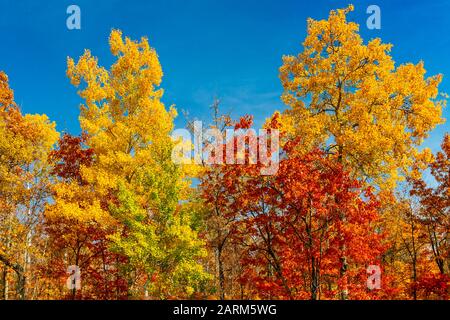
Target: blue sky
231, 49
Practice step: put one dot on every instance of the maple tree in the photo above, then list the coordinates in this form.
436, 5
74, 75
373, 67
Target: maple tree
289, 226
434, 218
349, 98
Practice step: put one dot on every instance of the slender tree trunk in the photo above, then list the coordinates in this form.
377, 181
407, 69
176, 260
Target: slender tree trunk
4, 284
314, 279
18, 269
344, 266
414, 256
77, 260
278, 270
21, 280
241, 290
4, 278
343, 249
117, 279
221, 273
27, 258
414, 279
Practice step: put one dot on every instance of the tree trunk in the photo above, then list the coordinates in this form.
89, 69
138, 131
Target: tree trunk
18, 269
221, 273
314, 279
21, 280
4, 284
414, 279
343, 258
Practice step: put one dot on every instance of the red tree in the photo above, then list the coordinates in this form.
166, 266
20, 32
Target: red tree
80, 243
290, 229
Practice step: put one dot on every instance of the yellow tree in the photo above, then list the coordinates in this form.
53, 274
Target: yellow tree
25, 141
77, 226
132, 172
349, 98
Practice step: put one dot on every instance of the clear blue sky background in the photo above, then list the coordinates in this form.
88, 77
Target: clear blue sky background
228, 48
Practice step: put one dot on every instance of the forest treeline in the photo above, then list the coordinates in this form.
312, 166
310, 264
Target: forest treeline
354, 188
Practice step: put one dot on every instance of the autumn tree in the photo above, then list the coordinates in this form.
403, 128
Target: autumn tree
350, 99
434, 218
25, 143
294, 232
287, 226
218, 222
406, 258
359, 106
77, 228
133, 174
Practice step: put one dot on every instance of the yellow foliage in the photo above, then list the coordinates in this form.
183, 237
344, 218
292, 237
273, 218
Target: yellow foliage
349, 98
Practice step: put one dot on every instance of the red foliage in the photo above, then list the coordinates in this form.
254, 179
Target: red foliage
70, 156
295, 226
